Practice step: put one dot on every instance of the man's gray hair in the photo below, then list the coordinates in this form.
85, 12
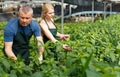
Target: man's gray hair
26, 9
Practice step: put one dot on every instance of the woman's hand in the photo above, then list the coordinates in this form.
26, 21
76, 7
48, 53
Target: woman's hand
66, 47
64, 36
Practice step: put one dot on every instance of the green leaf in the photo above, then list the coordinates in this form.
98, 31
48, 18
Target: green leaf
37, 74
91, 73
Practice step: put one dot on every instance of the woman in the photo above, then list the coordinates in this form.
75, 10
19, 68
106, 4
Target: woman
49, 28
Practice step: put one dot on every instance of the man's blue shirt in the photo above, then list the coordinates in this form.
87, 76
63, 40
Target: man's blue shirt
12, 27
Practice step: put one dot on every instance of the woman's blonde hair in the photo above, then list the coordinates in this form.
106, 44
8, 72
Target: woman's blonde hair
45, 8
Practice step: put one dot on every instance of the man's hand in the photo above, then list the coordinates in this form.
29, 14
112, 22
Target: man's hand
40, 59
14, 58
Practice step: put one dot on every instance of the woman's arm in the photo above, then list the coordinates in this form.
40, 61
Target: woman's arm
63, 36
51, 37
47, 32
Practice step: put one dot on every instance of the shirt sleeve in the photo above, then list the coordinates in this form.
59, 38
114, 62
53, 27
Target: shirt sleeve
10, 30
37, 30
8, 35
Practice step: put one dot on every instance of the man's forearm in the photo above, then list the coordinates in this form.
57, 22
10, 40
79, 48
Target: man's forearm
8, 50
40, 50
40, 47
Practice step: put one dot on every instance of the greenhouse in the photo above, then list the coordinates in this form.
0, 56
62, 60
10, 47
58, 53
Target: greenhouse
92, 48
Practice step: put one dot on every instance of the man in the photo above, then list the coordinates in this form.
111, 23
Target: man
18, 32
